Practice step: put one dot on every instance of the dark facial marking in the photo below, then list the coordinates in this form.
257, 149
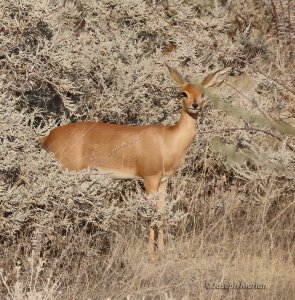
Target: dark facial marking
195, 105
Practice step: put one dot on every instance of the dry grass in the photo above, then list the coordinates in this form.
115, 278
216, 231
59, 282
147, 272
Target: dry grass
230, 218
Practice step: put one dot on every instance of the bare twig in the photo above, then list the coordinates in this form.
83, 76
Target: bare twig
289, 26
279, 82
248, 129
275, 17
252, 101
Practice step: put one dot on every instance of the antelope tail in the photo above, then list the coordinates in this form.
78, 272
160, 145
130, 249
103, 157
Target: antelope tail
42, 140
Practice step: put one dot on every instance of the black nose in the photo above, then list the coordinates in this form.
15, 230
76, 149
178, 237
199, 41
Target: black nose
195, 105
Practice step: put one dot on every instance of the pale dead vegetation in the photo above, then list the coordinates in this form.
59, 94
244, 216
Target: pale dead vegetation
230, 213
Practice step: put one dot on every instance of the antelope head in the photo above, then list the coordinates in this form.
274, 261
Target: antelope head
193, 101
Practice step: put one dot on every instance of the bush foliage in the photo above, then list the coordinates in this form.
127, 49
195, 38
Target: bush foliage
230, 213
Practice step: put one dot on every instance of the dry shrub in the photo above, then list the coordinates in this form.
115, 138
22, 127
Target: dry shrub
230, 209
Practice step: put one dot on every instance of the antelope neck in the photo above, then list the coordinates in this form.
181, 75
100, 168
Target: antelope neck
187, 125
187, 119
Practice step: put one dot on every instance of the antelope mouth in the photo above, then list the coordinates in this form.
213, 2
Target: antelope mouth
193, 110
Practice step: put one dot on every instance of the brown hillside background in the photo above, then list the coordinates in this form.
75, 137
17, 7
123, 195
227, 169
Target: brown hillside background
230, 207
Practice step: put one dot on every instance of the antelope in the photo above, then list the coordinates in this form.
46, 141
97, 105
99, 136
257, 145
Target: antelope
150, 152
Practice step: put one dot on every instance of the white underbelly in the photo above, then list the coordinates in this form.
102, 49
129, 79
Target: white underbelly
118, 174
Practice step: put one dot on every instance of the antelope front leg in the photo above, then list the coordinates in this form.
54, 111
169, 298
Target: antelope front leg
151, 185
151, 246
161, 212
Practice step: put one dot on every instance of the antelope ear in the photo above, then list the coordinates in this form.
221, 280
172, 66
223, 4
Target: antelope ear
177, 77
216, 78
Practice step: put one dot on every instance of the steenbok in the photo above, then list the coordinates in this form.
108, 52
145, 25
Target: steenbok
150, 152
